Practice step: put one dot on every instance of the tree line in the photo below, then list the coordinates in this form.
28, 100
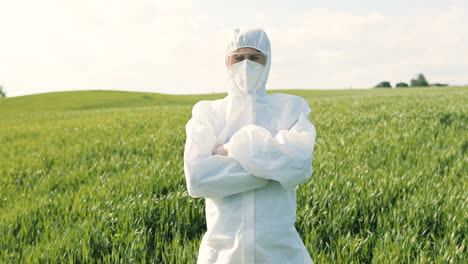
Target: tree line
419, 81
2, 92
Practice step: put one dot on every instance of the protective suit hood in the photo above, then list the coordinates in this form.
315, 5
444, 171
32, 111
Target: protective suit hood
251, 38
241, 105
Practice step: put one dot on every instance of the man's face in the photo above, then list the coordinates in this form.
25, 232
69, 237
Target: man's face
241, 54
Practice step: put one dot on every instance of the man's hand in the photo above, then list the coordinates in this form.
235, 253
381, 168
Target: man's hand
220, 150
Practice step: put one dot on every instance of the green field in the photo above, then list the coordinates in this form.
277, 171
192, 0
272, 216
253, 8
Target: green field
97, 177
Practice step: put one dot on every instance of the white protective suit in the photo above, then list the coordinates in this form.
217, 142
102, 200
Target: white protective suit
251, 193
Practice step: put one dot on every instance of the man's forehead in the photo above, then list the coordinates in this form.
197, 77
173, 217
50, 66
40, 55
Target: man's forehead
246, 49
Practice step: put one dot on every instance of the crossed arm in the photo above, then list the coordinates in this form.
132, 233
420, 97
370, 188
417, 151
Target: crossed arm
253, 157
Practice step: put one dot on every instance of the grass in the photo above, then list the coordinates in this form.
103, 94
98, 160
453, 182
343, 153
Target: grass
97, 177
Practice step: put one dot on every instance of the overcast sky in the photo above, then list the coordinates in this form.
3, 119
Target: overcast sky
177, 47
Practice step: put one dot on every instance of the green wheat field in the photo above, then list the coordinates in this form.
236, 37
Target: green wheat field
97, 177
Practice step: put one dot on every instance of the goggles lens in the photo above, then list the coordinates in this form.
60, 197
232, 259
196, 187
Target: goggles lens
258, 57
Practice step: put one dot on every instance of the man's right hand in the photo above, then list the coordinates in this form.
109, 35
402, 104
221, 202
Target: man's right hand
220, 150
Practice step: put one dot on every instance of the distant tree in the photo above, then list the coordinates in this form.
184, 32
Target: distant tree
420, 81
401, 84
384, 84
2, 93
438, 84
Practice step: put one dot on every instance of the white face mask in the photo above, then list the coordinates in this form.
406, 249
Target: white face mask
246, 74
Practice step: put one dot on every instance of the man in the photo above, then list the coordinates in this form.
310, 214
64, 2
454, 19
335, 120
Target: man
246, 154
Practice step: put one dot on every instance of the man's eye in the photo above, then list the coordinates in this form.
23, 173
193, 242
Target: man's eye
254, 58
239, 58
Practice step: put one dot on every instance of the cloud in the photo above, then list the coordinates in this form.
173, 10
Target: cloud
342, 49
178, 46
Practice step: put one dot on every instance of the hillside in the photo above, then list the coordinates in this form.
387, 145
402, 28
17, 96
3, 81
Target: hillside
88, 100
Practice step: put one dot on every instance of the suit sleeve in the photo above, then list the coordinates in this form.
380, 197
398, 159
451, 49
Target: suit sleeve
285, 157
208, 175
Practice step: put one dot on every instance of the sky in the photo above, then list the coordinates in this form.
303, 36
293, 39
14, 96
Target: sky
177, 47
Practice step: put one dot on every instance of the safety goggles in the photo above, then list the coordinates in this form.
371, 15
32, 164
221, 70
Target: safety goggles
258, 57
